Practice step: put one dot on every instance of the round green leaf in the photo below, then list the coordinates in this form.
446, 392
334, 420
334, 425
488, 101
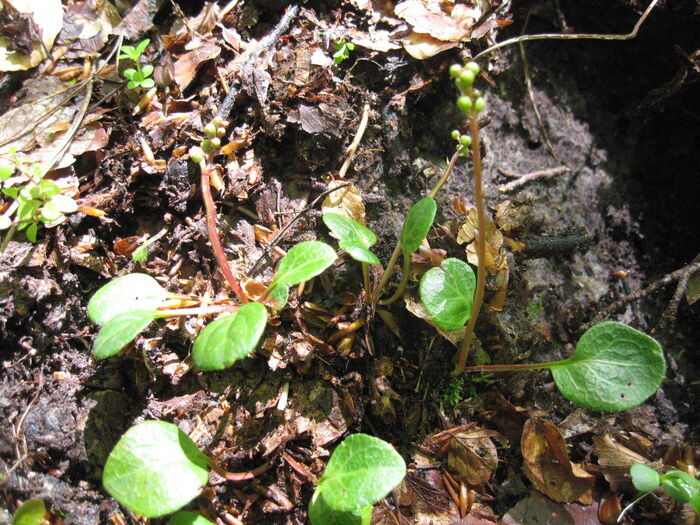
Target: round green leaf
417, 224
120, 331
5, 222
135, 291
229, 338
359, 253
362, 470
146, 70
447, 293
31, 512
320, 513
614, 367
644, 479
64, 203
680, 485
304, 261
50, 211
348, 231
155, 469
148, 83
188, 518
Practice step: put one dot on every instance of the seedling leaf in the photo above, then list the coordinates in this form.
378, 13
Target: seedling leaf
348, 231
155, 469
31, 512
614, 367
188, 518
134, 291
120, 331
361, 471
229, 338
279, 297
644, 479
304, 261
359, 253
447, 293
320, 513
680, 485
417, 224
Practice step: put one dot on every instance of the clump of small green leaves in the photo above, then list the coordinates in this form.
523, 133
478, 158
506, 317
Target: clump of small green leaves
342, 50
139, 77
35, 201
125, 306
155, 469
678, 484
362, 470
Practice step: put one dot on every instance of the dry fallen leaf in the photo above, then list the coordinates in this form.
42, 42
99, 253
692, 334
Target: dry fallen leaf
43, 18
472, 456
346, 201
449, 22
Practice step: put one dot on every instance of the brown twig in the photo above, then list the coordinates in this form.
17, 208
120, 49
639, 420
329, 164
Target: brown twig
240, 476
528, 177
213, 232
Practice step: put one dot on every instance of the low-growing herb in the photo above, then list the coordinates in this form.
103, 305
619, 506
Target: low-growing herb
678, 484
139, 77
342, 50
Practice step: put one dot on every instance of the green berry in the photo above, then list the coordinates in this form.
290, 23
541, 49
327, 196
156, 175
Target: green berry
210, 130
464, 103
196, 154
455, 70
465, 140
473, 67
467, 76
207, 146
455, 134
220, 132
479, 104
216, 142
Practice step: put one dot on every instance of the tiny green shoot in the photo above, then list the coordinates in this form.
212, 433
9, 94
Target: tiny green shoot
678, 484
188, 518
362, 470
139, 77
353, 237
342, 50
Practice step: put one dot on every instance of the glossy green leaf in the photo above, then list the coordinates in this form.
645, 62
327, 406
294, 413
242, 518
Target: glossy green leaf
229, 338
6, 171
120, 331
695, 502
417, 224
644, 478
148, 83
31, 512
349, 231
447, 293
279, 296
155, 469
680, 485
320, 513
134, 291
31, 232
614, 367
362, 470
188, 518
359, 253
304, 261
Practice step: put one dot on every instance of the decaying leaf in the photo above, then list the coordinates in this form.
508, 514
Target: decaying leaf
346, 201
546, 464
40, 21
416, 308
446, 21
186, 66
472, 455
421, 46
615, 460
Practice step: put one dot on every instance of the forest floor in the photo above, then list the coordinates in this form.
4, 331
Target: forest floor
617, 210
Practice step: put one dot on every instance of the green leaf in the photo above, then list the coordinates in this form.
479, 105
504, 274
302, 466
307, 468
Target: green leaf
31, 512
359, 253
11, 192
5, 222
142, 47
279, 295
229, 338
614, 367
362, 470
64, 203
644, 479
6, 171
134, 291
304, 261
119, 331
347, 230
447, 293
147, 83
680, 485
130, 74
417, 224
188, 518
146, 70
140, 254
155, 469
31, 232
27, 209
695, 502
320, 513
50, 212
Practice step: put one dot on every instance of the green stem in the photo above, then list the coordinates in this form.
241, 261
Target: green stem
8, 237
480, 242
404, 281
508, 368
365, 278
389, 271
446, 174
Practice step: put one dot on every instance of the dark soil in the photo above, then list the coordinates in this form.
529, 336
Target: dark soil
622, 116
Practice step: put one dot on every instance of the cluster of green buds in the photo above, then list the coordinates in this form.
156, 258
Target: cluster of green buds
470, 101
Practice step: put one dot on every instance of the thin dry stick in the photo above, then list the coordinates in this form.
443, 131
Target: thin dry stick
571, 36
528, 177
352, 148
213, 233
669, 315
480, 243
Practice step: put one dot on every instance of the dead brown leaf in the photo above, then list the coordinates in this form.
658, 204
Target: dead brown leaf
448, 22
346, 201
186, 65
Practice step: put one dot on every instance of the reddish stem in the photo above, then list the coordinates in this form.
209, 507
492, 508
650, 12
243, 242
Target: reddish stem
213, 232
240, 476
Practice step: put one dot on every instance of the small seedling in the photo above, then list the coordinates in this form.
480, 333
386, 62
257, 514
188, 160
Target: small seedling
188, 518
139, 77
342, 50
31, 512
353, 237
447, 293
678, 484
362, 470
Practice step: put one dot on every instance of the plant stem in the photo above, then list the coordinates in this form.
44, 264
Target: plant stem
219, 254
404, 281
199, 310
365, 278
508, 368
480, 242
389, 270
239, 476
8, 237
446, 174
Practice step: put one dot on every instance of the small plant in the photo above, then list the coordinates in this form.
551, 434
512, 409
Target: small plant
139, 77
678, 484
31, 512
188, 518
342, 50
362, 470
34, 200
